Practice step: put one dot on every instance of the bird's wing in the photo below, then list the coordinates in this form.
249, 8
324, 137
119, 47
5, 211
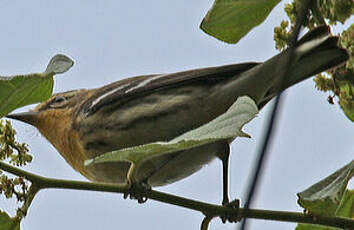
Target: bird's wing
122, 91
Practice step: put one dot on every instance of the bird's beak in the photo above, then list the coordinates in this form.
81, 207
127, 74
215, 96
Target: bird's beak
27, 117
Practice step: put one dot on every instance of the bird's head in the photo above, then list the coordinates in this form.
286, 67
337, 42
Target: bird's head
54, 119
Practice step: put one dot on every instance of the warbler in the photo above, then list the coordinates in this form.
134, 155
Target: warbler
86, 123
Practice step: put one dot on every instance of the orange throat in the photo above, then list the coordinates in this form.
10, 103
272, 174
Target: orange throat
57, 129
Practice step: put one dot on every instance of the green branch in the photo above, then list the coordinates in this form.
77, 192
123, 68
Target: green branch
207, 209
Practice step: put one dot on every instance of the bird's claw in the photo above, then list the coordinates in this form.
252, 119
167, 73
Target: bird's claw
136, 192
235, 204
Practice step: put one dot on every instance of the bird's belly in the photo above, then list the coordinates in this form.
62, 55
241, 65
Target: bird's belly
183, 164
160, 170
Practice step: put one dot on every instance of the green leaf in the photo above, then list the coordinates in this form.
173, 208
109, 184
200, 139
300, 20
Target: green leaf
20, 90
314, 227
329, 197
8, 223
345, 209
59, 64
324, 197
225, 127
230, 20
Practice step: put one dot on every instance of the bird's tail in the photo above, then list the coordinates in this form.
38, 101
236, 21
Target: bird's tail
315, 52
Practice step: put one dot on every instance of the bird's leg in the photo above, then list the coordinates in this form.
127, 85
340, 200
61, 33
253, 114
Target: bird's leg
224, 156
225, 178
136, 188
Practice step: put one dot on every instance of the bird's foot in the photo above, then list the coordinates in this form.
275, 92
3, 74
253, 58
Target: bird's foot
235, 204
137, 191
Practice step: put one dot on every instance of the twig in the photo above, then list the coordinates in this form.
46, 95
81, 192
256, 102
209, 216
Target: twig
206, 222
22, 212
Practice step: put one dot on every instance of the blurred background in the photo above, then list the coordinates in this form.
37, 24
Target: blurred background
112, 40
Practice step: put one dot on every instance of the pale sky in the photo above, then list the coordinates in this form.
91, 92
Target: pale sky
111, 40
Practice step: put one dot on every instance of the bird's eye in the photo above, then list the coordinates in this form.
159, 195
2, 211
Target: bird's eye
58, 101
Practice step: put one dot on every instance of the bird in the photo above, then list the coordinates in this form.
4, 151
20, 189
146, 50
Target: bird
86, 123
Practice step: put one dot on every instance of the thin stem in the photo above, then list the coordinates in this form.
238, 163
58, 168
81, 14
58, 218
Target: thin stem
22, 212
261, 158
205, 223
297, 217
207, 209
20, 172
264, 152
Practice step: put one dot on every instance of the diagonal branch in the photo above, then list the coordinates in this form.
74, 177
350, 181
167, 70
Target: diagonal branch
269, 133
